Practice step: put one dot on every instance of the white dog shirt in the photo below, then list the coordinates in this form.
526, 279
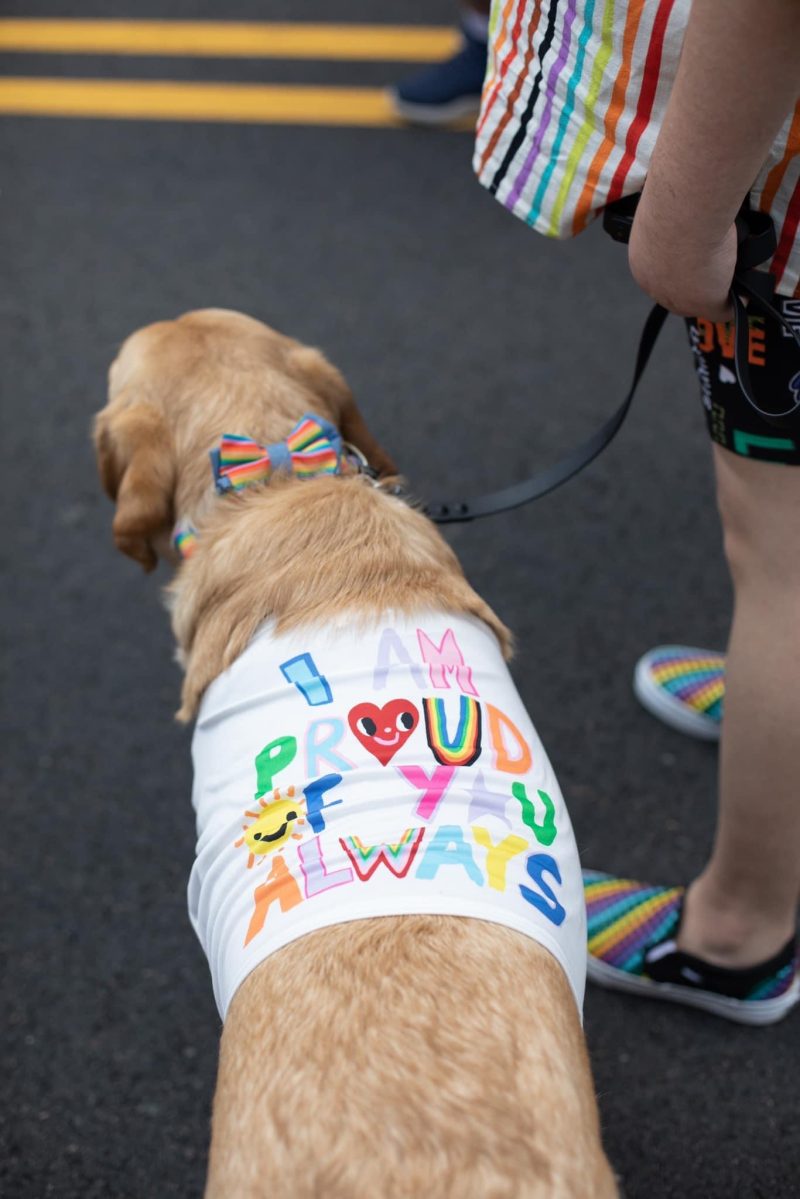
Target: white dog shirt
347, 773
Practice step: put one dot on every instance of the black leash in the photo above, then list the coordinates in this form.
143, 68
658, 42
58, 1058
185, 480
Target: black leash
566, 468
757, 243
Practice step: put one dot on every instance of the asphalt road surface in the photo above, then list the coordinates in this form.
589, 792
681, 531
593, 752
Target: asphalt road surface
478, 350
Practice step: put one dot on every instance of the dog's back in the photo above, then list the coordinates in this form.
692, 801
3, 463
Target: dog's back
404, 1057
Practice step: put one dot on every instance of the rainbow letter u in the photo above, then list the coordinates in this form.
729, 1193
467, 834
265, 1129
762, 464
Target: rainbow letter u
464, 746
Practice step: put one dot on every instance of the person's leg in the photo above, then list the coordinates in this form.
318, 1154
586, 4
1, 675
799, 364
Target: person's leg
728, 943
743, 907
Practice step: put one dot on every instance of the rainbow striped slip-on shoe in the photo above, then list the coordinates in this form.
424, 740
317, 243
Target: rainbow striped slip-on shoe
631, 931
684, 687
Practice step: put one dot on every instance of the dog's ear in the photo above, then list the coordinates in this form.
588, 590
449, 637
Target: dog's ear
322, 377
137, 469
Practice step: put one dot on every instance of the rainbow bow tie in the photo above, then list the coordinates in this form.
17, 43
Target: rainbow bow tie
314, 447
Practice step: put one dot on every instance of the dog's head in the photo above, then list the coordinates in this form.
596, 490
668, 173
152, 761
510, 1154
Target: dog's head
176, 386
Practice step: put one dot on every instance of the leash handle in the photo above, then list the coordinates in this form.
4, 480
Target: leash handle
756, 243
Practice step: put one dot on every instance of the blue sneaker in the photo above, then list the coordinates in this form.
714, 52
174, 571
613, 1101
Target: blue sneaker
447, 90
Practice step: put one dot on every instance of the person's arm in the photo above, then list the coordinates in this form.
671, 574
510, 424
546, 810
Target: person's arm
738, 78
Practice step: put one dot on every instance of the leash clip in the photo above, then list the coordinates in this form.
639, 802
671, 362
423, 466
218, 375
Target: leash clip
358, 459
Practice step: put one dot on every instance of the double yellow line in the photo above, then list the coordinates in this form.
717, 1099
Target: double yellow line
252, 103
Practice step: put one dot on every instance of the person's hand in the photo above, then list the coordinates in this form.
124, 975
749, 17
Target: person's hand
687, 272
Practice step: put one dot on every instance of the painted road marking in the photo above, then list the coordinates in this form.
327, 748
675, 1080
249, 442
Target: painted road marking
166, 101
231, 39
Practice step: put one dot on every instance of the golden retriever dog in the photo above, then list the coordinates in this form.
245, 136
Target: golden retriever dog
392, 1056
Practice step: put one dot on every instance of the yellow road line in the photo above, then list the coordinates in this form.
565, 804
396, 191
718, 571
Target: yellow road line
231, 39
166, 101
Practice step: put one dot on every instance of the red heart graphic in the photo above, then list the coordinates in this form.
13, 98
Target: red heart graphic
383, 730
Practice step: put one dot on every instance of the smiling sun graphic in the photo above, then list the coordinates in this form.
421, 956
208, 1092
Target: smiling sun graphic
272, 826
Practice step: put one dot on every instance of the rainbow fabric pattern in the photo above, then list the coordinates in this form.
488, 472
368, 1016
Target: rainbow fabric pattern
184, 538
771, 988
625, 918
464, 747
314, 447
696, 680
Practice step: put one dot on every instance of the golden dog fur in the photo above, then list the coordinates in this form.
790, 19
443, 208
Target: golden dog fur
391, 1058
